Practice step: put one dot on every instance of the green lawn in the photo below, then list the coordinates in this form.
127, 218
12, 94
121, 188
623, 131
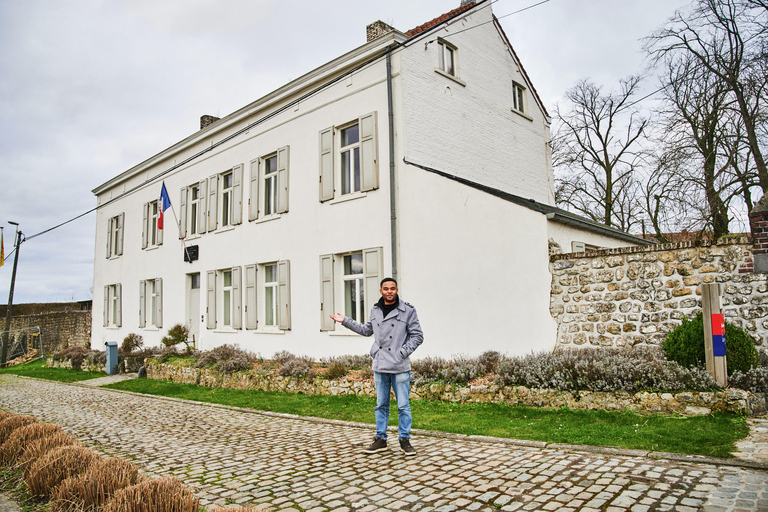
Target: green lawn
38, 370
712, 435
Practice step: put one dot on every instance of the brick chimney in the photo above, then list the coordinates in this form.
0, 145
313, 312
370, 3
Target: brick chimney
206, 120
758, 222
377, 29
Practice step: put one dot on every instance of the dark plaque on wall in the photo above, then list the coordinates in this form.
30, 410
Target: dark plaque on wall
190, 253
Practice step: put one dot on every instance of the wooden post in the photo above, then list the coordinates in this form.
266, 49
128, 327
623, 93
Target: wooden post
714, 333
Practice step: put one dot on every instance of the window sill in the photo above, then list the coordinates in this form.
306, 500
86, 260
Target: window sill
112, 327
451, 77
268, 218
114, 257
349, 197
344, 332
229, 331
151, 328
521, 114
190, 238
151, 247
268, 331
224, 229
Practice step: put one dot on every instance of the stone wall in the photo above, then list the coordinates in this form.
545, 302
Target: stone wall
58, 330
636, 295
688, 403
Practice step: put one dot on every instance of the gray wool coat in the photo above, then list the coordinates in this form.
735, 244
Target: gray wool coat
395, 337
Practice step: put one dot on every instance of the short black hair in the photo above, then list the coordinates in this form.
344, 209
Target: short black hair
381, 285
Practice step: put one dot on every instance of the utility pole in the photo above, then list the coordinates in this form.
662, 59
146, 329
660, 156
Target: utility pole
7, 342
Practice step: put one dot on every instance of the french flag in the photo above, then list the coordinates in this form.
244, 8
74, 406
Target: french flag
165, 203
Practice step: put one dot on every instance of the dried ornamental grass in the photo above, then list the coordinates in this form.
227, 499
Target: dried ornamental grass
56, 466
20, 438
160, 495
11, 423
88, 491
39, 447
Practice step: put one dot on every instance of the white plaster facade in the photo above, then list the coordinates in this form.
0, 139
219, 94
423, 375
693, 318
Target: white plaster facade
471, 250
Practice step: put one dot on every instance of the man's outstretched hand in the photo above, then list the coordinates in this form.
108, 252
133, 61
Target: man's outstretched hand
338, 317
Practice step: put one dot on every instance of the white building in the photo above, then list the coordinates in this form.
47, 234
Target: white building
421, 155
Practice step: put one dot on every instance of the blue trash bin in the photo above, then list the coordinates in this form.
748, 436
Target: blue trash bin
111, 357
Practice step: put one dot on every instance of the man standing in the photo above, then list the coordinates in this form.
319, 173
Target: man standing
396, 333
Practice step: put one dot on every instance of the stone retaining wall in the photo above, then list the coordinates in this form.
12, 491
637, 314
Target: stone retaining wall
687, 403
58, 330
636, 295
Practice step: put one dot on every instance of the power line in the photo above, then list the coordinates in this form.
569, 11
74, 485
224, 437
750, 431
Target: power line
373, 60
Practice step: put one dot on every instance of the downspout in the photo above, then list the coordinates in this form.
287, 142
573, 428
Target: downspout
392, 189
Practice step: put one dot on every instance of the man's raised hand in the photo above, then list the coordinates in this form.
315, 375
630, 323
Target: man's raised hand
338, 317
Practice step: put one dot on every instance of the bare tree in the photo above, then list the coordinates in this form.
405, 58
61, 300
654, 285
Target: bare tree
596, 153
727, 38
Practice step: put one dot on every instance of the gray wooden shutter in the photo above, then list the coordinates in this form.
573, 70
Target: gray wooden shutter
283, 155
119, 307
202, 211
372, 270
159, 302
237, 300
237, 193
210, 308
326, 164
284, 294
145, 227
326, 293
110, 227
183, 213
118, 249
142, 304
106, 306
251, 318
369, 159
253, 201
212, 202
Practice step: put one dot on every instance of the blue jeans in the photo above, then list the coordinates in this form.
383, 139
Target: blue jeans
401, 383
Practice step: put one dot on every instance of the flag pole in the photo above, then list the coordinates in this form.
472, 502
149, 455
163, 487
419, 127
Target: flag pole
183, 243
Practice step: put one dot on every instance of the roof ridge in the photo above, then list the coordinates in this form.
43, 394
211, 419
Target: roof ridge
440, 19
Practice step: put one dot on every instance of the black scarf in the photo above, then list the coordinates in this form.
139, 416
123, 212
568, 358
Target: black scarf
387, 308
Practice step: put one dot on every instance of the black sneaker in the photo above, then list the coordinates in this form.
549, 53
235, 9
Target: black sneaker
379, 445
406, 448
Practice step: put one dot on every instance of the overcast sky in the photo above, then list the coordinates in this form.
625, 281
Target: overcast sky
89, 88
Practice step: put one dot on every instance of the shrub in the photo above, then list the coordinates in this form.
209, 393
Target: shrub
56, 466
39, 447
132, 342
428, 368
336, 371
685, 345
88, 491
490, 361
11, 423
298, 367
20, 438
75, 354
355, 362
604, 369
96, 357
226, 358
159, 495
178, 334
462, 369
755, 380
283, 357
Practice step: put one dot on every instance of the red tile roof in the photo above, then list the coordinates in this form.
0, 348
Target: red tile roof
439, 19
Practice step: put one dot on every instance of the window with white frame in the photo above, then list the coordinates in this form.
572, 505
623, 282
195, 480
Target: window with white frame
518, 98
192, 211
268, 296
115, 235
352, 280
225, 199
113, 305
151, 303
223, 305
446, 57
349, 158
269, 185
151, 235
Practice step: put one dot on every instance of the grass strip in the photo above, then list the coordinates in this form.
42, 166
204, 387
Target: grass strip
712, 435
38, 370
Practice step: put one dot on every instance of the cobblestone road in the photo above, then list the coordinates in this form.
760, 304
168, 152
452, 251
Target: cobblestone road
279, 463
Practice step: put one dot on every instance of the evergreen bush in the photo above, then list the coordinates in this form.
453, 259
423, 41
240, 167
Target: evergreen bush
685, 345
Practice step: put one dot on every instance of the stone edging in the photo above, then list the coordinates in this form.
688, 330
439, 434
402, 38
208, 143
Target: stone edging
607, 450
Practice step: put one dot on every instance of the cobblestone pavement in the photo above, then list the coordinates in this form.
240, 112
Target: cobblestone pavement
282, 463
8, 505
